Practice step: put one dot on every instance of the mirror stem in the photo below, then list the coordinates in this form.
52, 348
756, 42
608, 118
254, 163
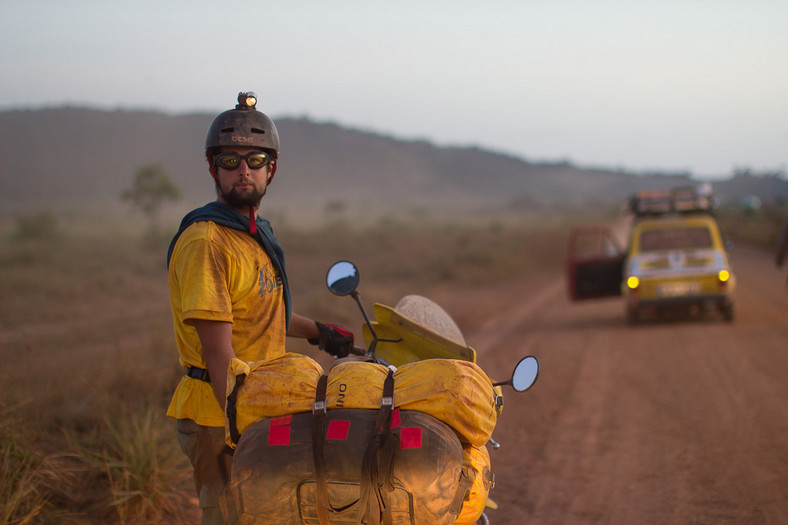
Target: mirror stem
355, 295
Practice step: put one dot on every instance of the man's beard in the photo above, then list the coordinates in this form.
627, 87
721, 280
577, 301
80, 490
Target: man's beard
245, 200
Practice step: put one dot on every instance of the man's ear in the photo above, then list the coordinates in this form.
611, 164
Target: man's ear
273, 172
211, 167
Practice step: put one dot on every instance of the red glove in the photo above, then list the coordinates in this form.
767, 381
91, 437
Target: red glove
333, 339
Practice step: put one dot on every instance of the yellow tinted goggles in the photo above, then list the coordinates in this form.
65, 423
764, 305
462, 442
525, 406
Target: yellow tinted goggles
231, 160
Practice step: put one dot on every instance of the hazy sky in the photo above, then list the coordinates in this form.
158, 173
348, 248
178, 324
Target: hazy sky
671, 85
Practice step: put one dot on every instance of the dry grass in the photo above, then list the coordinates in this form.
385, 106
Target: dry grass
88, 363
22, 474
137, 458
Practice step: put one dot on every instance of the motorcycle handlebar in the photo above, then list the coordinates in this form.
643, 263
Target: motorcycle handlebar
357, 350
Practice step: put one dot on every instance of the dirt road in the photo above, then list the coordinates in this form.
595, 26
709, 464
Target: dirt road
670, 422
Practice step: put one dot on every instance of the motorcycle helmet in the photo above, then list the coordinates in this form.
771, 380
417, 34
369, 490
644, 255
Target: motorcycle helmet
243, 126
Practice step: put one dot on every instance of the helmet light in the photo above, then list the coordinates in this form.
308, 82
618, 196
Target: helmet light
246, 100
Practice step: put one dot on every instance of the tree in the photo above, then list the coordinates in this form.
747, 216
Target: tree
152, 187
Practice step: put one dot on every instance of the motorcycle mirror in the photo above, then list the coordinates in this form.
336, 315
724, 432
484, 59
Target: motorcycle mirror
524, 374
342, 278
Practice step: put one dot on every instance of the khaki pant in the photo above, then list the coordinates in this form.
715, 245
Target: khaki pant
211, 459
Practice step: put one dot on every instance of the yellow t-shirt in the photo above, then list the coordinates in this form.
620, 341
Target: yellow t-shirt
221, 274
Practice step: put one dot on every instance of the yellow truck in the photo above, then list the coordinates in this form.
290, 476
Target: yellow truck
676, 260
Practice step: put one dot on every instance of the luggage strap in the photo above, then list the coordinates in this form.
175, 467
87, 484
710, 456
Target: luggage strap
324, 506
376, 470
318, 450
463, 486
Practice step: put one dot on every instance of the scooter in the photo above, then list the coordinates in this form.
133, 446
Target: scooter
397, 433
343, 278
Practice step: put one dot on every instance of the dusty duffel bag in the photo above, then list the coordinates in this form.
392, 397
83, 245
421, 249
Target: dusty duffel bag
268, 388
349, 466
457, 392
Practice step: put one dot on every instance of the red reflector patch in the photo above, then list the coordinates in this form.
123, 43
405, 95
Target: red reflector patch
279, 431
395, 420
281, 421
338, 430
410, 437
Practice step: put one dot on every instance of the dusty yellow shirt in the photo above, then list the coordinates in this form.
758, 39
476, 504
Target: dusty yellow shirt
221, 274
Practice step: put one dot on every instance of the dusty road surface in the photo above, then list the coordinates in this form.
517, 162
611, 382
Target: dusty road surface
664, 423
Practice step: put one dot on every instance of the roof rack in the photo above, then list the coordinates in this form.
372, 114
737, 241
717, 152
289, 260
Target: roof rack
677, 200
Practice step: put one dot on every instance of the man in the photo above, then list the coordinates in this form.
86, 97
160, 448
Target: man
229, 295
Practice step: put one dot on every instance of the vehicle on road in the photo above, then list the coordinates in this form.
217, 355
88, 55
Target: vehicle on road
676, 260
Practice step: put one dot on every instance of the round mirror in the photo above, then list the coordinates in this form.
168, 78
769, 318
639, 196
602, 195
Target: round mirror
525, 373
342, 278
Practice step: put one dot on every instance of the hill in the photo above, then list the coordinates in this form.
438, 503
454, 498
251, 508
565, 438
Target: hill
69, 158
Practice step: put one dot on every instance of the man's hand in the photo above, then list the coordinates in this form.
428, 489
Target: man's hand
334, 339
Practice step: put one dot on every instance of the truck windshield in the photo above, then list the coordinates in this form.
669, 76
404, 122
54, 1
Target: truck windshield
675, 239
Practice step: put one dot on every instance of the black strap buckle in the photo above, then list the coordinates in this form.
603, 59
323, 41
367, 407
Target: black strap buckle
198, 373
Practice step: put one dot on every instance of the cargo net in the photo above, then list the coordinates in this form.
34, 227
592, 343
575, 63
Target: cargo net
677, 200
